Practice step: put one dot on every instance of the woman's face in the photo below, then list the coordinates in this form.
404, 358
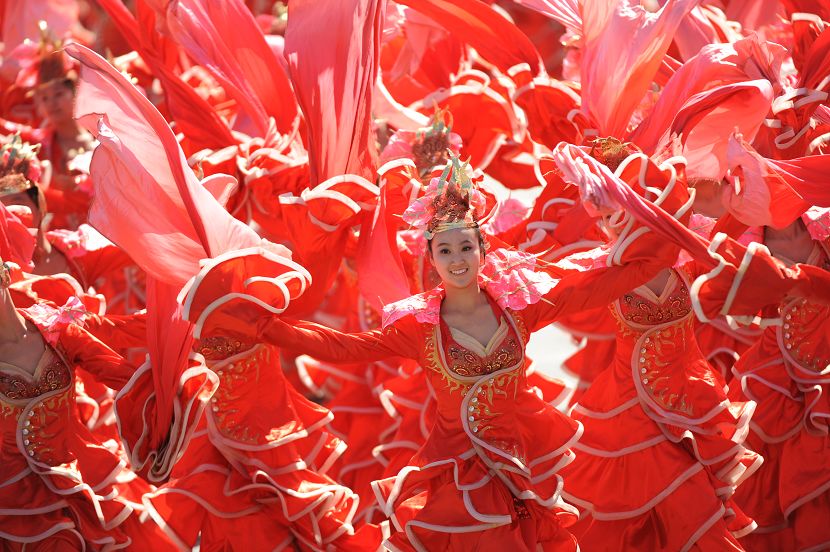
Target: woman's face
709, 198
54, 101
457, 257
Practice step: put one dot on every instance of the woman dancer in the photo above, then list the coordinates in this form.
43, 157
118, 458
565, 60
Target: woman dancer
485, 476
663, 447
786, 373
62, 487
248, 471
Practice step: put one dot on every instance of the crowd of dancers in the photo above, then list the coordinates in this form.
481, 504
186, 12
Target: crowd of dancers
265, 284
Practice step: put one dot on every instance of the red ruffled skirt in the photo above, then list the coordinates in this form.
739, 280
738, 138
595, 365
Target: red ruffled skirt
499, 490
656, 466
254, 475
790, 495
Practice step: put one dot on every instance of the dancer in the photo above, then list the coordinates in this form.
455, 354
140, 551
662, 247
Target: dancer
486, 476
242, 456
786, 370
663, 447
63, 487
65, 144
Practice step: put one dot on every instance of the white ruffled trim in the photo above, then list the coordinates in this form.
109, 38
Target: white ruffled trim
73, 476
53, 530
191, 288
163, 461
625, 514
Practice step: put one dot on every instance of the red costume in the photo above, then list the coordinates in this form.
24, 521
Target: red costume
786, 373
61, 484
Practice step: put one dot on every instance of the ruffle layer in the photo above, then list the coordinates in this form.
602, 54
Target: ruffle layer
438, 505
645, 467
790, 495
360, 419
262, 452
61, 484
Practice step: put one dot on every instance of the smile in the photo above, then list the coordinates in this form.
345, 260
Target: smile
459, 272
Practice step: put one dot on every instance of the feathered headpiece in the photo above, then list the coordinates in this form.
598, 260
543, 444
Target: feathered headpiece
19, 166
450, 201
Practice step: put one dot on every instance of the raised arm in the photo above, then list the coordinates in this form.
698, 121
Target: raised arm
637, 254
582, 287
80, 347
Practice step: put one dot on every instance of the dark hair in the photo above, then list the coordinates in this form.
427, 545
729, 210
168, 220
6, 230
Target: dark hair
34, 195
482, 243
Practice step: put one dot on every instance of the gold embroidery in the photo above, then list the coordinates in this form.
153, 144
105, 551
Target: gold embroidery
243, 370
520, 324
41, 432
799, 334
434, 363
656, 373
55, 376
640, 310
220, 348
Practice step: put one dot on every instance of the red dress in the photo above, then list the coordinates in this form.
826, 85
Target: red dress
485, 474
663, 447
253, 475
62, 486
787, 372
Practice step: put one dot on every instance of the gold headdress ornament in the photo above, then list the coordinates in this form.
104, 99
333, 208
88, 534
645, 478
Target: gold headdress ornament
19, 166
450, 201
53, 64
611, 151
432, 143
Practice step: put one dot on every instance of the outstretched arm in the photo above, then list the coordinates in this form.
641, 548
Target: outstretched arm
397, 340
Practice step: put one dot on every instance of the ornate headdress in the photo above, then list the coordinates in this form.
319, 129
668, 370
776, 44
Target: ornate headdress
428, 147
450, 201
611, 152
43, 62
19, 166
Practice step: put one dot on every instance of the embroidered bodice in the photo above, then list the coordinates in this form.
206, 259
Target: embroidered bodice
50, 375
467, 357
656, 334
642, 307
220, 348
803, 337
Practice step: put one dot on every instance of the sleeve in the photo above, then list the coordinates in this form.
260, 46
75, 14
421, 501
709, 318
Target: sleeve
82, 348
748, 278
577, 291
119, 331
401, 339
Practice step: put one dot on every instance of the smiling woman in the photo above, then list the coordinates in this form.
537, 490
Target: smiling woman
456, 255
485, 477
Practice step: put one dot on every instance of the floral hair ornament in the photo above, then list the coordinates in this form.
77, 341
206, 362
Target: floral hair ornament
449, 201
19, 166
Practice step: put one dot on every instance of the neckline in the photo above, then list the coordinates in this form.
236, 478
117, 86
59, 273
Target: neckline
497, 312
46, 358
647, 293
470, 342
